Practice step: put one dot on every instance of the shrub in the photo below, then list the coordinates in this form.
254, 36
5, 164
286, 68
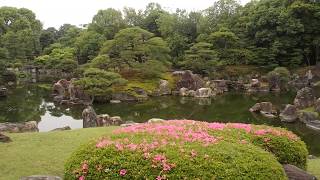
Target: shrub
279, 77
188, 149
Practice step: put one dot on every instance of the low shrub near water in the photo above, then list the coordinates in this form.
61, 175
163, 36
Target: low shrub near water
181, 149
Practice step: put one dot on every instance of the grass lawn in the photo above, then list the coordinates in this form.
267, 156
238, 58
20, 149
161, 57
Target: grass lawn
45, 153
42, 153
314, 167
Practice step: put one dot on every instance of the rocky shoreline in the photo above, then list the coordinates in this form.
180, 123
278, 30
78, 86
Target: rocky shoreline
305, 108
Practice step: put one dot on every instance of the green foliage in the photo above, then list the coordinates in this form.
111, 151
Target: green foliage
88, 45
223, 39
284, 149
135, 45
97, 82
107, 22
47, 37
59, 58
279, 77
67, 35
101, 62
150, 70
19, 33
201, 58
174, 150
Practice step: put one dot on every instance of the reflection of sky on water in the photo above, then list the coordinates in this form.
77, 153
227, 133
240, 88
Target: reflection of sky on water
50, 120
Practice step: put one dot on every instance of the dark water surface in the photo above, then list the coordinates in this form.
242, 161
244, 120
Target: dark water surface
27, 103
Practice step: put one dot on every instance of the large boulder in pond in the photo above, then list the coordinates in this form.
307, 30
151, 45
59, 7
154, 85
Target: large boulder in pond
164, 87
203, 93
305, 98
219, 86
190, 81
89, 117
106, 120
289, 114
265, 108
183, 92
4, 138
20, 127
66, 92
295, 173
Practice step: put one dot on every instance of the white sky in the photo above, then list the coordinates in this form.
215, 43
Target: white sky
53, 13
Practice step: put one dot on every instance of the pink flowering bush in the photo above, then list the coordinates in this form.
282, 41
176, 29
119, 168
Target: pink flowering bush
185, 149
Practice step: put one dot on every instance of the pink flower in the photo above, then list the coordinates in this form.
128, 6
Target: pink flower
132, 146
103, 143
82, 178
243, 141
123, 172
119, 146
146, 155
193, 153
159, 178
85, 167
266, 140
217, 126
246, 127
166, 167
260, 132
159, 158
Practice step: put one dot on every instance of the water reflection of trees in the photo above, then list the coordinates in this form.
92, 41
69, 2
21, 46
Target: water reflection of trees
22, 104
58, 110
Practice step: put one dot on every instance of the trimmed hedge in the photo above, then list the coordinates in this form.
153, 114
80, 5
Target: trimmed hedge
188, 150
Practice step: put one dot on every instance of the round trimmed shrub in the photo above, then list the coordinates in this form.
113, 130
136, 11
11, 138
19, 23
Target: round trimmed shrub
188, 149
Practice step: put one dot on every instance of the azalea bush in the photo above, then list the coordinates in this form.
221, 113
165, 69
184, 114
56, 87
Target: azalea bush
185, 149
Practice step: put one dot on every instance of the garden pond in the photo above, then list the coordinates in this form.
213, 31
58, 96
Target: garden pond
34, 103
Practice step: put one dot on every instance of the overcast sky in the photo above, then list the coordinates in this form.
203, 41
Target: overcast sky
53, 13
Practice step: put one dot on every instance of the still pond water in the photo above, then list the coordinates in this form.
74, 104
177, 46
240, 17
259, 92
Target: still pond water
27, 103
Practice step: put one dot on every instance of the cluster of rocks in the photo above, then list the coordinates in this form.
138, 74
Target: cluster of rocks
256, 86
66, 92
30, 126
187, 84
91, 119
192, 85
305, 98
20, 127
265, 108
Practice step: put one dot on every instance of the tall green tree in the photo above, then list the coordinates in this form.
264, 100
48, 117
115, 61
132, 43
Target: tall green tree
107, 22
88, 45
201, 58
135, 45
19, 33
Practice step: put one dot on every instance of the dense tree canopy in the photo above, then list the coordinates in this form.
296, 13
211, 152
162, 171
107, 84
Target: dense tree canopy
135, 45
264, 33
19, 33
